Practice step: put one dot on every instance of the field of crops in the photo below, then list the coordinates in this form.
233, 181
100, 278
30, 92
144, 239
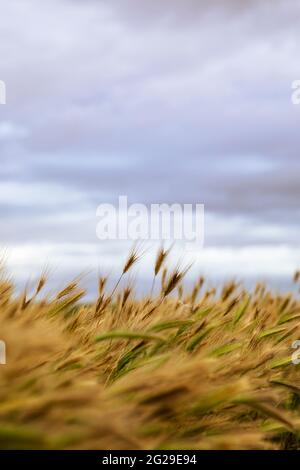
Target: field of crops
180, 369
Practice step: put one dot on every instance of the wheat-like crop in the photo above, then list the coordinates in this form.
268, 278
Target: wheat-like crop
206, 369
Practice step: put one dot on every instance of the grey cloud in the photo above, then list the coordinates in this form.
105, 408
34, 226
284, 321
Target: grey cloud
173, 101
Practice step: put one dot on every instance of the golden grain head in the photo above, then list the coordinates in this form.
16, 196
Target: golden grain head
132, 258
161, 257
208, 373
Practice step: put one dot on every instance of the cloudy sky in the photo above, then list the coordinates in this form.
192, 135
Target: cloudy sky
185, 101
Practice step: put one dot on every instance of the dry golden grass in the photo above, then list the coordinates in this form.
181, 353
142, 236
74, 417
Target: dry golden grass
195, 370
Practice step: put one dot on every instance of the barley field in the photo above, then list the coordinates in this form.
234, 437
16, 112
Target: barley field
196, 368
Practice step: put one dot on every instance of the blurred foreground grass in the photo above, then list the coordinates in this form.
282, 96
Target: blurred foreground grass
177, 370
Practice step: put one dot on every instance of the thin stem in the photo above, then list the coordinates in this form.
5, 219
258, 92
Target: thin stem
117, 285
153, 284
